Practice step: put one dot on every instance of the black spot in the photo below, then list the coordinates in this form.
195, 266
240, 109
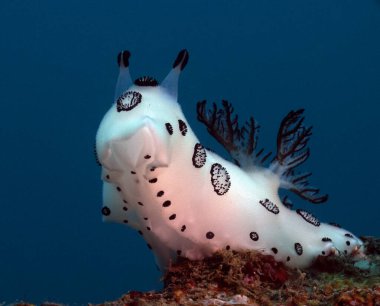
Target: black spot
125, 201
172, 217
107, 177
182, 59
179, 252
348, 243
254, 236
199, 156
123, 58
118, 188
166, 203
220, 179
323, 253
169, 128
148, 228
288, 258
106, 211
274, 250
228, 247
153, 180
183, 228
345, 252
146, 81
125, 208
270, 206
149, 246
298, 248
308, 217
140, 203
349, 235
128, 101
145, 218
133, 172
147, 156
210, 235
140, 232
182, 127
326, 239
335, 224
160, 193
152, 169
125, 221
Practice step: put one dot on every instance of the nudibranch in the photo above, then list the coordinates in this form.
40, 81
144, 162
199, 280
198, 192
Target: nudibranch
186, 200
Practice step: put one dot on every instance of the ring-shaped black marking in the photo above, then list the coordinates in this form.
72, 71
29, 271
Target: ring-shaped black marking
308, 217
128, 101
270, 206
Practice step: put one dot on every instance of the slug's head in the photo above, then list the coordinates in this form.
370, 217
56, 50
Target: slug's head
139, 102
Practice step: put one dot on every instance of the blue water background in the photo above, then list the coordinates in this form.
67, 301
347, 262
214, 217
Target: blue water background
57, 76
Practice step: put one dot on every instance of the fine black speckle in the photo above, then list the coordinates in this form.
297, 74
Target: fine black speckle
210, 235
182, 127
166, 203
326, 239
133, 172
140, 232
148, 228
106, 211
254, 236
147, 156
308, 217
274, 250
125, 208
199, 156
160, 193
169, 128
140, 203
183, 228
149, 246
153, 180
298, 248
220, 179
270, 206
118, 188
172, 217
288, 258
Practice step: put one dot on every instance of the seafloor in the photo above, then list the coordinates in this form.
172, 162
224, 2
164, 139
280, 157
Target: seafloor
249, 278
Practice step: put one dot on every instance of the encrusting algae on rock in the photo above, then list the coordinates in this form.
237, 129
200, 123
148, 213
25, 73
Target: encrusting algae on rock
251, 278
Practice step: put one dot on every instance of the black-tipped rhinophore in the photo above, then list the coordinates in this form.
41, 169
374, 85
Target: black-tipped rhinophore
181, 60
123, 58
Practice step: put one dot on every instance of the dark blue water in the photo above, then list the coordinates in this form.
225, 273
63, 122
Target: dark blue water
57, 76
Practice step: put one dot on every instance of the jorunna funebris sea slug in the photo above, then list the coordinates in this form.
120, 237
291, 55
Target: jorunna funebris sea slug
186, 200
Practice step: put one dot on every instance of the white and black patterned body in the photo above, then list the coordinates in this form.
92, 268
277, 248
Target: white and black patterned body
184, 199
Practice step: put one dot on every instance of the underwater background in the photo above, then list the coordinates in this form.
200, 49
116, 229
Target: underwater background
57, 76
